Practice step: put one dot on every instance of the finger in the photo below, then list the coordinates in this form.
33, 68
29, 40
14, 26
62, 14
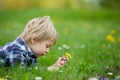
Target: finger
62, 63
64, 58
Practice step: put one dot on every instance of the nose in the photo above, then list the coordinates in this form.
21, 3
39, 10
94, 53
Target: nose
47, 50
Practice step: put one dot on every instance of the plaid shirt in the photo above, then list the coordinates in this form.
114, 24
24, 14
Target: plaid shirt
17, 52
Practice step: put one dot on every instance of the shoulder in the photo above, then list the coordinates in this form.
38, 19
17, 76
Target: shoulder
15, 46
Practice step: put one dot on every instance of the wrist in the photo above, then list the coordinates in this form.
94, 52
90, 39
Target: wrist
53, 68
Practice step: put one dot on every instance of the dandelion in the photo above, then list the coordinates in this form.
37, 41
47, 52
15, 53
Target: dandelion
1, 78
110, 38
38, 78
36, 67
113, 31
59, 48
65, 46
68, 55
110, 73
93, 78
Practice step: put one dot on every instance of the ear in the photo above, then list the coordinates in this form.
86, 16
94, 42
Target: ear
33, 41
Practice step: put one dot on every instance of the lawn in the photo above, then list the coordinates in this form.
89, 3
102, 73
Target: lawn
92, 37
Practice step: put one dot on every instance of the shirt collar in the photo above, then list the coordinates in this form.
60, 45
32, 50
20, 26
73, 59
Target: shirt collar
27, 49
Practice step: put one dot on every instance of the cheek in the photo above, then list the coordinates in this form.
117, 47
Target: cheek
41, 48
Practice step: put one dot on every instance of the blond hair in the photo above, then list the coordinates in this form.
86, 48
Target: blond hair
41, 28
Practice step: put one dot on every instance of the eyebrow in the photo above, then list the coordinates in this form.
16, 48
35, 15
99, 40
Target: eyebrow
49, 45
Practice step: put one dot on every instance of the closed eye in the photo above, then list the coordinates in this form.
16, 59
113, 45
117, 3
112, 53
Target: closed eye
47, 46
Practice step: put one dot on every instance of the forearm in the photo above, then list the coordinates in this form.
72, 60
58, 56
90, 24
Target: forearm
59, 63
53, 68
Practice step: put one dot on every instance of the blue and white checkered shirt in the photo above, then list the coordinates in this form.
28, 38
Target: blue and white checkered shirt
17, 52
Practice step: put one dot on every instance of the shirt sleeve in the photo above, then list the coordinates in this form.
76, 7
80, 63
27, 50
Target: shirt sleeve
15, 57
23, 61
19, 57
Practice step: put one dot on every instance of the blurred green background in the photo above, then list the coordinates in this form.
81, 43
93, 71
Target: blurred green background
72, 4
14, 14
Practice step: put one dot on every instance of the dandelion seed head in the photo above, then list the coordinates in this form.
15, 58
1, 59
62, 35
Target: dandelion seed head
65, 46
36, 68
59, 48
38, 78
93, 78
110, 73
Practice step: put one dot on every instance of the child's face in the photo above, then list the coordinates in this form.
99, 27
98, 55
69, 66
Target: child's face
40, 48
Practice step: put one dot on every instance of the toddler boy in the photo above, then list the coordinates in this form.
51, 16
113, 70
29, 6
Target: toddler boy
36, 39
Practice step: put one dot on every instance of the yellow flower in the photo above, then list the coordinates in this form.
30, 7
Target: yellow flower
68, 55
113, 31
110, 38
1, 78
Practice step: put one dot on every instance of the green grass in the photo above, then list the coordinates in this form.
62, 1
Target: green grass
83, 31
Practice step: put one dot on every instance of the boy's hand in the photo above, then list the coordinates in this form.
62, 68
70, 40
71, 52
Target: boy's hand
59, 63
